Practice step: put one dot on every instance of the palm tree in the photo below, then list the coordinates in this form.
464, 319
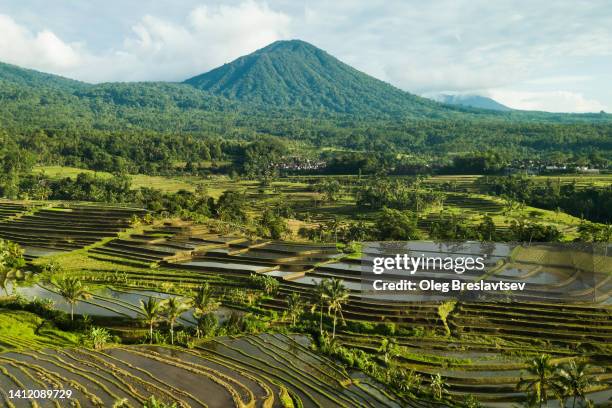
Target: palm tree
573, 379
542, 371
337, 295
151, 309
174, 307
332, 226
320, 295
11, 262
204, 303
295, 307
72, 290
6, 276
438, 386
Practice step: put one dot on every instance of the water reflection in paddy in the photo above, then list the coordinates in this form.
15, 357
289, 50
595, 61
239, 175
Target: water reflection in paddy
110, 302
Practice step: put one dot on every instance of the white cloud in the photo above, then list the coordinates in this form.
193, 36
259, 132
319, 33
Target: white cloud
551, 101
165, 50
463, 45
234, 31
444, 45
157, 49
560, 79
43, 50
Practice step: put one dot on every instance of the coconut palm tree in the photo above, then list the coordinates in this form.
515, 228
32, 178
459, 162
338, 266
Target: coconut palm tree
173, 308
573, 379
11, 262
8, 275
320, 296
72, 290
151, 309
295, 307
203, 303
337, 295
542, 372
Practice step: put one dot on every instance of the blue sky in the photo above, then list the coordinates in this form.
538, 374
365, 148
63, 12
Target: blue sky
542, 55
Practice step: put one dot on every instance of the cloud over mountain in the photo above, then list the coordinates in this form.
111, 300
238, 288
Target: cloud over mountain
156, 48
448, 45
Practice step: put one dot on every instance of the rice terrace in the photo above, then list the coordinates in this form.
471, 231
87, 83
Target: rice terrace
242, 312
211, 214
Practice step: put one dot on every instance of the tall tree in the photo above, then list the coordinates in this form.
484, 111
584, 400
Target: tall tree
204, 303
336, 295
174, 307
151, 309
295, 307
542, 371
72, 290
320, 297
396, 225
11, 262
574, 380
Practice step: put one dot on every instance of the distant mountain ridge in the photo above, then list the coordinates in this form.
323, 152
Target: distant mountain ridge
15, 75
286, 80
470, 100
297, 74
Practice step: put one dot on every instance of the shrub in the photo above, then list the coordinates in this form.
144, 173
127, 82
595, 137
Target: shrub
360, 327
98, 337
396, 225
208, 325
386, 328
267, 283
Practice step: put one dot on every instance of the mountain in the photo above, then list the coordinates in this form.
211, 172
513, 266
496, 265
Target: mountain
268, 91
17, 76
473, 101
296, 74
289, 89
31, 99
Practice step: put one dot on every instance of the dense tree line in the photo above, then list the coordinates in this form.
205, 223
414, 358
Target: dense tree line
230, 207
452, 227
488, 162
256, 148
397, 194
141, 127
132, 152
398, 225
592, 203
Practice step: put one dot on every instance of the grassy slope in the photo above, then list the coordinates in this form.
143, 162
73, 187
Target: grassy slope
19, 329
168, 184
